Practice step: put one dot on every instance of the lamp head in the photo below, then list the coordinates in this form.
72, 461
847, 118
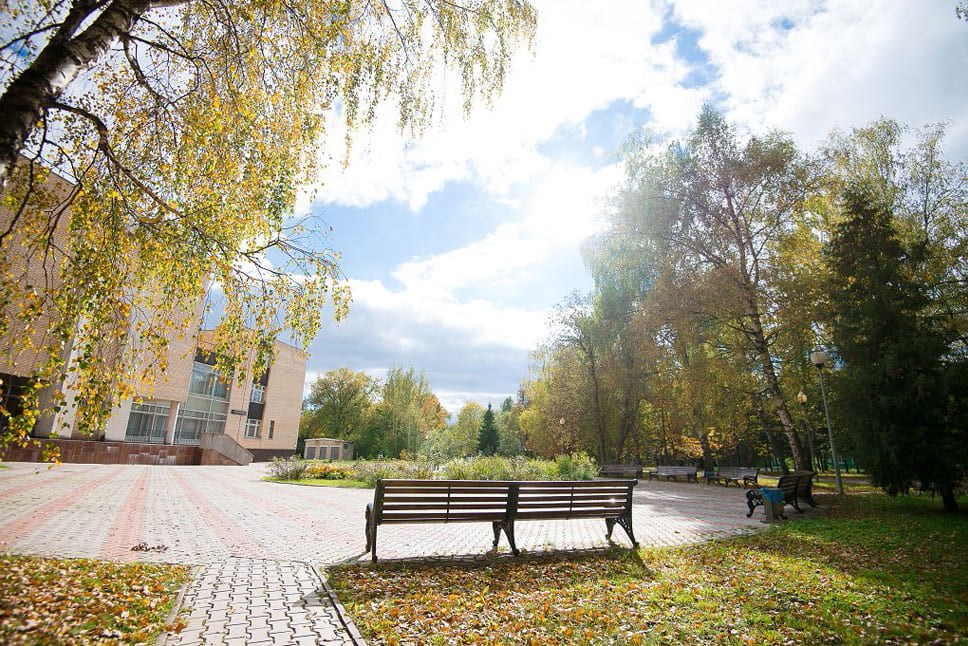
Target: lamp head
818, 358
802, 397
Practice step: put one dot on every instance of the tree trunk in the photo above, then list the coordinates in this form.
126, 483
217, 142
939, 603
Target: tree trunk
31, 94
755, 332
948, 498
708, 464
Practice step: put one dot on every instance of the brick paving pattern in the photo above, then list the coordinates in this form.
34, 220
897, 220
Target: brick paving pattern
257, 544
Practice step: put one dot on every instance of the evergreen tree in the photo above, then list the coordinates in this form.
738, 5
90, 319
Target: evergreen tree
487, 437
893, 391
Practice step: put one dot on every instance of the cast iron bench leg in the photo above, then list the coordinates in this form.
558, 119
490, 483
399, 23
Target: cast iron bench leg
753, 499
370, 531
625, 523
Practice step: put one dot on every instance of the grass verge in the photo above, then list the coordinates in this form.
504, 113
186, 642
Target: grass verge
875, 570
82, 601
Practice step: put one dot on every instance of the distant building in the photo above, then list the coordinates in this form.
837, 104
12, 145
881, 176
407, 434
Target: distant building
192, 414
324, 448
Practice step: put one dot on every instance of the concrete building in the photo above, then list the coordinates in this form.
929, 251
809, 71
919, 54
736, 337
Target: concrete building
325, 448
189, 414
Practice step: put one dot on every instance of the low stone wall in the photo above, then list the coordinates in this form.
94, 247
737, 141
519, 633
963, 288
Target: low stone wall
93, 452
219, 448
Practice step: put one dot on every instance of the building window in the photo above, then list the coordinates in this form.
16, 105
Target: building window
12, 388
206, 407
258, 394
207, 382
253, 427
193, 423
147, 422
272, 428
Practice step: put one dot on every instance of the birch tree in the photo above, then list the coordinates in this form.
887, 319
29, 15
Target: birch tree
186, 129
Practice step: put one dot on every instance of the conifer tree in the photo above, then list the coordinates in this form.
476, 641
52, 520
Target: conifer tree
487, 437
895, 390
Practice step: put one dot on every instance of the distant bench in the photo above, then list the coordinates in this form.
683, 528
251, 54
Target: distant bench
673, 473
796, 487
748, 476
500, 503
622, 470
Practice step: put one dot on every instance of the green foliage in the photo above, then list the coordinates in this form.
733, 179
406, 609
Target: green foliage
408, 412
498, 468
338, 405
371, 471
291, 468
576, 466
81, 601
460, 438
877, 570
487, 437
894, 391
326, 471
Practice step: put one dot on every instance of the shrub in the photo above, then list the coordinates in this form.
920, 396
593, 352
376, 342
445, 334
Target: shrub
291, 468
370, 472
325, 471
576, 466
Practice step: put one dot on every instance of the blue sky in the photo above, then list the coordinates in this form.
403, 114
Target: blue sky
458, 245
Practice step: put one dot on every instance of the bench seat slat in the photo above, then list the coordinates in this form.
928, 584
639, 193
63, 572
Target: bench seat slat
559, 515
536, 504
442, 506
437, 518
444, 498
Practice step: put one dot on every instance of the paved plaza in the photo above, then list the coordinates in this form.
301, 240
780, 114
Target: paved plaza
260, 548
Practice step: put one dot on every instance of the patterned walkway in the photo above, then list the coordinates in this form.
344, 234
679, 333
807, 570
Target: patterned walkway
261, 546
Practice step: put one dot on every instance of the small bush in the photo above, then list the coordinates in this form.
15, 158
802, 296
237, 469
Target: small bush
291, 468
576, 466
325, 471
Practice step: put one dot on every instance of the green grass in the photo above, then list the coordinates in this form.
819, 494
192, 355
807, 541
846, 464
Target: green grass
82, 601
875, 570
318, 482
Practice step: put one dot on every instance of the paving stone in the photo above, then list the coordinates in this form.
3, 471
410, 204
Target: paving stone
254, 541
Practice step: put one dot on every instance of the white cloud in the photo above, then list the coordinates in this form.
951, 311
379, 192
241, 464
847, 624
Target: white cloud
809, 67
800, 65
583, 61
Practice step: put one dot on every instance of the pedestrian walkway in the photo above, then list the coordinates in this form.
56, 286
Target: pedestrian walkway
260, 547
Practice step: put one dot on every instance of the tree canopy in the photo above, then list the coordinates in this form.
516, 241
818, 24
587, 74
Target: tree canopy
186, 130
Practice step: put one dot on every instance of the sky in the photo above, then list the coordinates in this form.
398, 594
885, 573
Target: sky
458, 245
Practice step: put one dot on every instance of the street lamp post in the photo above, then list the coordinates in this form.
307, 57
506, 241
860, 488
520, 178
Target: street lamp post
818, 358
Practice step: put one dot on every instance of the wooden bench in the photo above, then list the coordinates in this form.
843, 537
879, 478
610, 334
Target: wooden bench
622, 470
748, 476
796, 487
500, 503
673, 473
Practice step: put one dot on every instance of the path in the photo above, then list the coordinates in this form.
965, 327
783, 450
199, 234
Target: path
261, 546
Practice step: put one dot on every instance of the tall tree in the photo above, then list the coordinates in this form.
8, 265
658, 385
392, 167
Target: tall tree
895, 395
408, 411
713, 207
487, 438
186, 129
338, 405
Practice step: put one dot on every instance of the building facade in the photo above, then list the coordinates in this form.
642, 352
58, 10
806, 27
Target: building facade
190, 404
325, 448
